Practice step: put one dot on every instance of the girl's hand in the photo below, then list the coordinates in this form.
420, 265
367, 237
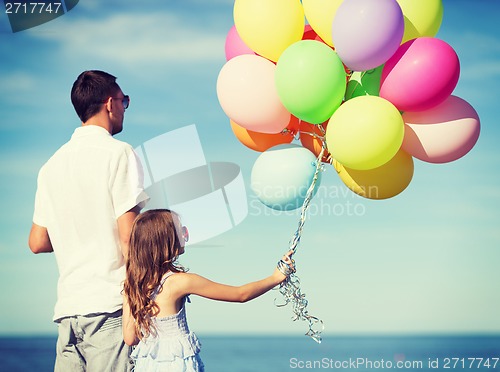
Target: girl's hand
285, 267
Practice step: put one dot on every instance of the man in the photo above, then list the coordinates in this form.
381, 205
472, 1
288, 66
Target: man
89, 193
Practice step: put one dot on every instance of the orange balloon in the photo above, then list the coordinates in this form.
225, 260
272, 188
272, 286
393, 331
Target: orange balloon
262, 141
311, 142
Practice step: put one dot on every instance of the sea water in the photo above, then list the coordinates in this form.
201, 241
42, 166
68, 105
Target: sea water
300, 353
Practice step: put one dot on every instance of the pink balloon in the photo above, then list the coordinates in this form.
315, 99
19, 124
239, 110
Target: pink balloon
442, 134
247, 94
235, 46
366, 33
420, 75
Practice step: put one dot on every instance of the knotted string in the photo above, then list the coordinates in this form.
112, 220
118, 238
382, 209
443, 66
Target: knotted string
290, 288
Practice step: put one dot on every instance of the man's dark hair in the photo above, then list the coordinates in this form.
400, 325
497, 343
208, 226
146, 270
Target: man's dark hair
89, 92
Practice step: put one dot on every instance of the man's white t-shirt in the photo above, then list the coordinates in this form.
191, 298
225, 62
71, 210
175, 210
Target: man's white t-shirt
82, 190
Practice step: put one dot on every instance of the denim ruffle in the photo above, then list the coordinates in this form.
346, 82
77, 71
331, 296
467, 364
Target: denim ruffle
174, 353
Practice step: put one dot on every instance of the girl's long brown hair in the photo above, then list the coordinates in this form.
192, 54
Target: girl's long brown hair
153, 250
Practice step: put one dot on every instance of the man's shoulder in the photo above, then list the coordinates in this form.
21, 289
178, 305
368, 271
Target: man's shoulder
57, 154
106, 146
98, 140
117, 144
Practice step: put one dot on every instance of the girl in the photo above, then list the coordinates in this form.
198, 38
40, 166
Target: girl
156, 288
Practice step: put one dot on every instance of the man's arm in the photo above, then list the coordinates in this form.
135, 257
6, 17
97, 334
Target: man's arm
125, 222
39, 240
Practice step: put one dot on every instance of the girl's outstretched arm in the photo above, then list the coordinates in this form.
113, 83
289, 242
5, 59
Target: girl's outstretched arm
128, 325
187, 284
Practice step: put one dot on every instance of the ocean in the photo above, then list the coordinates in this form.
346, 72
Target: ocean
300, 353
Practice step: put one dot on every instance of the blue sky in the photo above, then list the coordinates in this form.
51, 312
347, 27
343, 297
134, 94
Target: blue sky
425, 261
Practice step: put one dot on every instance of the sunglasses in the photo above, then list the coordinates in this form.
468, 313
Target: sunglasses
125, 101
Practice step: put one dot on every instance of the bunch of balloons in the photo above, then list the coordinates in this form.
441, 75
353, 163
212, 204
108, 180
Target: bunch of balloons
365, 81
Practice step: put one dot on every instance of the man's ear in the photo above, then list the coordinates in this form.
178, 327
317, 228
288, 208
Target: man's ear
109, 104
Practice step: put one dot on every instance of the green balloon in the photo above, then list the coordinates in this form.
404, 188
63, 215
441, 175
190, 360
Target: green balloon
364, 83
310, 80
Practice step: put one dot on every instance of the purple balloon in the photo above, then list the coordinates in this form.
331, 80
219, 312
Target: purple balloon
366, 33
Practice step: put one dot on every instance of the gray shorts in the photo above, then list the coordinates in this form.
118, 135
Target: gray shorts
92, 343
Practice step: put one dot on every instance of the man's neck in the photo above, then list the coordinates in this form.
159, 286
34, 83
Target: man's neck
97, 124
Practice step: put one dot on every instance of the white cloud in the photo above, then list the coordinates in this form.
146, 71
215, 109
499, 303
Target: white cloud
17, 88
90, 5
230, 2
18, 82
18, 163
478, 53
135, 38
474, 41
484, 70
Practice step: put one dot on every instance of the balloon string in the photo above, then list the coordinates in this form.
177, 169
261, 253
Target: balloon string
290, 288
329, 158
315, 135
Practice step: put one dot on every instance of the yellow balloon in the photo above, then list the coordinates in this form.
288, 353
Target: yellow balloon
383, 182
422, 18
320, 15
268, 27
365, 132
